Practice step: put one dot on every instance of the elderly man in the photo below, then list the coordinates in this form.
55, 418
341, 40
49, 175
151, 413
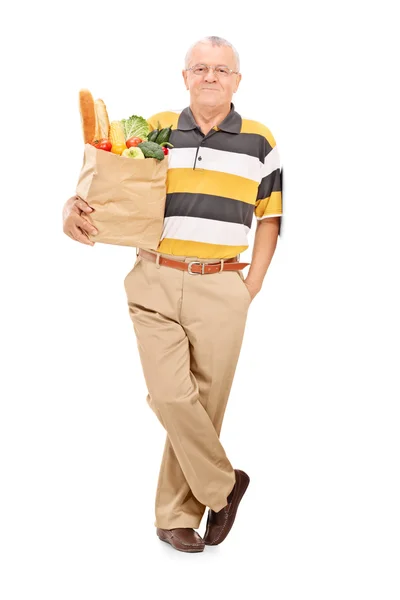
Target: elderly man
188, 299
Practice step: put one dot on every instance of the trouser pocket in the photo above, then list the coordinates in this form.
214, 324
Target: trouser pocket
241, 277
137, 261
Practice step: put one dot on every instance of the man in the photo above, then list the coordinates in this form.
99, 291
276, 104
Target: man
189, 328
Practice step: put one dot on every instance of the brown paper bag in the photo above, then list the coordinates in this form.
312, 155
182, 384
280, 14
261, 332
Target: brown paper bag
128, 195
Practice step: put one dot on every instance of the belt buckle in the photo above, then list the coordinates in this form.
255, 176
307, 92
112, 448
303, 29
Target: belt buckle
195, 262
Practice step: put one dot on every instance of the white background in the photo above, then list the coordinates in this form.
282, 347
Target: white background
313, 415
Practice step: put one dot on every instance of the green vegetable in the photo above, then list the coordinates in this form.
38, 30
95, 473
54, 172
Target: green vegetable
135, 127
152, 150
153, 135
163, 136
133, 152
166, 144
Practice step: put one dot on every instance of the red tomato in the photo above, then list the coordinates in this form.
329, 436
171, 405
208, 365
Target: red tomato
133, 141
165, 150
103, 144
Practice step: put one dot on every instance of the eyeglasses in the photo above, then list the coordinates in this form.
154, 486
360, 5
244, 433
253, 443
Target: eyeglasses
219, 70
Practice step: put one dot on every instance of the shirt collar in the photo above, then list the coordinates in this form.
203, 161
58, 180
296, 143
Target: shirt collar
232, 122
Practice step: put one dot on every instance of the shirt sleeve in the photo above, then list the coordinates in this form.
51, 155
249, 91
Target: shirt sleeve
269, 196
153, 121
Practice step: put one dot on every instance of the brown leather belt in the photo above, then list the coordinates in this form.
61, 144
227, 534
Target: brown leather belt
196, 267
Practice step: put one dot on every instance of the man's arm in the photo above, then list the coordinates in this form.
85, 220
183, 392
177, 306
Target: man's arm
268, 202
265, 241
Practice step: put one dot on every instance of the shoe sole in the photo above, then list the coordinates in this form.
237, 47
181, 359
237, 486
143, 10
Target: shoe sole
200, 549
233, 513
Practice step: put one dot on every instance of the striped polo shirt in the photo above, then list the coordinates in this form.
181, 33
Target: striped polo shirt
216, 183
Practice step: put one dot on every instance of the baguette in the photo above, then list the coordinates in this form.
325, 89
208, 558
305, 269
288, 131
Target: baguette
88, 115
102, 122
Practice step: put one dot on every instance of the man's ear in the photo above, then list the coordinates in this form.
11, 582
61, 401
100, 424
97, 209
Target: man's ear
238, 80
184, 74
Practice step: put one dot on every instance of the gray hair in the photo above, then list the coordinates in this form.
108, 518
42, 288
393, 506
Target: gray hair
214, 41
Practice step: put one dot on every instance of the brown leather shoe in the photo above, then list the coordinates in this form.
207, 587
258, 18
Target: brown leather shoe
220, 523
184, 539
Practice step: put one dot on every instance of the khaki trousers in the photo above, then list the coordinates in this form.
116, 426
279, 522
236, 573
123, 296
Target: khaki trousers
189, 331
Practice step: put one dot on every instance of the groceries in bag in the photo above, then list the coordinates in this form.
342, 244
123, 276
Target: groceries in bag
117, 136
128, 196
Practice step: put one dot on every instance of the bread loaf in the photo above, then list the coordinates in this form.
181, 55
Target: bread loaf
102, 122
88, 115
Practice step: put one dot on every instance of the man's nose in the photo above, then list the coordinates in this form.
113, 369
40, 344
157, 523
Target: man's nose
210, 76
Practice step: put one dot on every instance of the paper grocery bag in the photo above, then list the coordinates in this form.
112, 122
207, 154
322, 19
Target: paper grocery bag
128, 195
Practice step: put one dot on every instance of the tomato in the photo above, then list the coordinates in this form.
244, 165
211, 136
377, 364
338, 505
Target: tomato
103, 144
165, 150
133, 141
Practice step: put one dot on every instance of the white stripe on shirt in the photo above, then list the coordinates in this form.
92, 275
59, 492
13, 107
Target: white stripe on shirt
233, 163
208, 231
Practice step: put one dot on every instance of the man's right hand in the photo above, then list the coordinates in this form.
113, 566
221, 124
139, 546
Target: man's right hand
75, 224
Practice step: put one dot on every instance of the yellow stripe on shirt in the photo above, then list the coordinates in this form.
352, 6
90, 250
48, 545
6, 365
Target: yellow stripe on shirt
216, 183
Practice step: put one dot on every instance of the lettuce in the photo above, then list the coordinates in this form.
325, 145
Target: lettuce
135, 127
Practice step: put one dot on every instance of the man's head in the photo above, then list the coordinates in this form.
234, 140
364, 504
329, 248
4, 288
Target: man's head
212, 88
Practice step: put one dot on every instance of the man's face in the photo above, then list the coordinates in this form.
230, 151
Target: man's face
210, 89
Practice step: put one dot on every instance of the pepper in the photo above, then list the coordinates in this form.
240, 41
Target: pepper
118, 148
